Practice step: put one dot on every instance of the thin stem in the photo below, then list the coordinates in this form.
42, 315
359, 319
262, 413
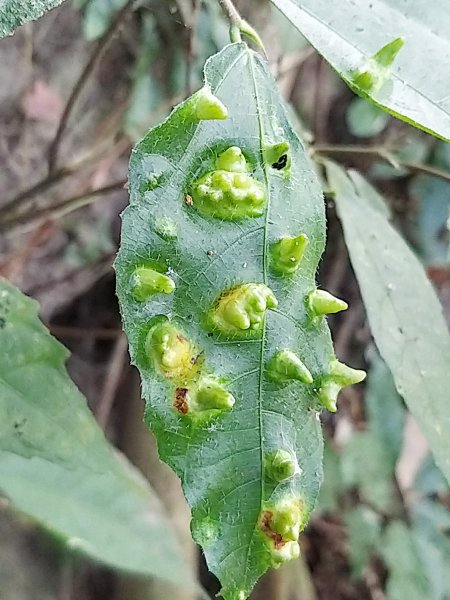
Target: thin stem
61, 208
231, 12
384, 154
81, 82
11, 207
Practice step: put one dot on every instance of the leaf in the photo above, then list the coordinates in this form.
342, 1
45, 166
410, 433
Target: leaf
385, 410
431, 524
363, 531
14, 13
366, 463
404, 313
407, 576
55, 464
193, 274
348, 34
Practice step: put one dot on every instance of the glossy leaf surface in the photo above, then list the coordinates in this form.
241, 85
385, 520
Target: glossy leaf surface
57, 467
348, 34
230, 313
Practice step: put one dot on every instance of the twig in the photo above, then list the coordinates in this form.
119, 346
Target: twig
81, 82
231, 12
61, 208
48, 181
63, 331
112, 380
382, 153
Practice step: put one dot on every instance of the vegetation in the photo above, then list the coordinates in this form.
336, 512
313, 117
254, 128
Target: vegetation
280, 447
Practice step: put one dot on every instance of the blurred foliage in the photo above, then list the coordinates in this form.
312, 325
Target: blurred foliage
410, 535
364, 119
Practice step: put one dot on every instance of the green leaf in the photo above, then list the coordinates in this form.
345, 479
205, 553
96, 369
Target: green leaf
332, 487
227, 299
366, 464
349, 35
431, 524
385, 410
363, 531
57, 467
407, 575
403, 310
14, 13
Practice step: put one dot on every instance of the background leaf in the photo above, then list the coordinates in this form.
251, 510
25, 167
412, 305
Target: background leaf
404, 313
349, 33
57, 467
13, 13
220, 461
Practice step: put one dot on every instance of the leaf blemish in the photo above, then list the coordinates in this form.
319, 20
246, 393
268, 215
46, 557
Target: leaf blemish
180, 402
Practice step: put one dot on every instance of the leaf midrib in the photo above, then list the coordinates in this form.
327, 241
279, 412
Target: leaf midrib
263, 336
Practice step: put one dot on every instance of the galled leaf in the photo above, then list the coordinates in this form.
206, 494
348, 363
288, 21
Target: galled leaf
404, 313
361, 41
57, 467
216, 282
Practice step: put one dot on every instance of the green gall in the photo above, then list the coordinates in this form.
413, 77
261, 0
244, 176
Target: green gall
365, 80
206, 531
242, 309
287, 552
328, 394
280, 465
282, 524
229, 192
320, 302
344, 374
338, 376
204, 106
232, 160
169, 351
211, 395
378, 69
286, 519
286, 366
278, 156
286, 254
165, 227
246, 29
387, 54
146, 282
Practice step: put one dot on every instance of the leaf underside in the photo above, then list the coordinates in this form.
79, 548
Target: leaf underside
14, 13
404, 312
57, 467
349, 33
220, 461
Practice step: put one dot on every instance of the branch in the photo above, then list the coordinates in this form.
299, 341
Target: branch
384, 154
61, 208
231, 12
81, 82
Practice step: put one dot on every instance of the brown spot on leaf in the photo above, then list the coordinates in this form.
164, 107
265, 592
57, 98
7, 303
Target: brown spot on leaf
276, 538
188, 200
180, 402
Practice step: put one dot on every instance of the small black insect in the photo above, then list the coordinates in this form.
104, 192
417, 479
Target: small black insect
281, 162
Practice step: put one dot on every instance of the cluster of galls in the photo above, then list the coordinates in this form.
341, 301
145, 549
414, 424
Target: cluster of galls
231, 192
